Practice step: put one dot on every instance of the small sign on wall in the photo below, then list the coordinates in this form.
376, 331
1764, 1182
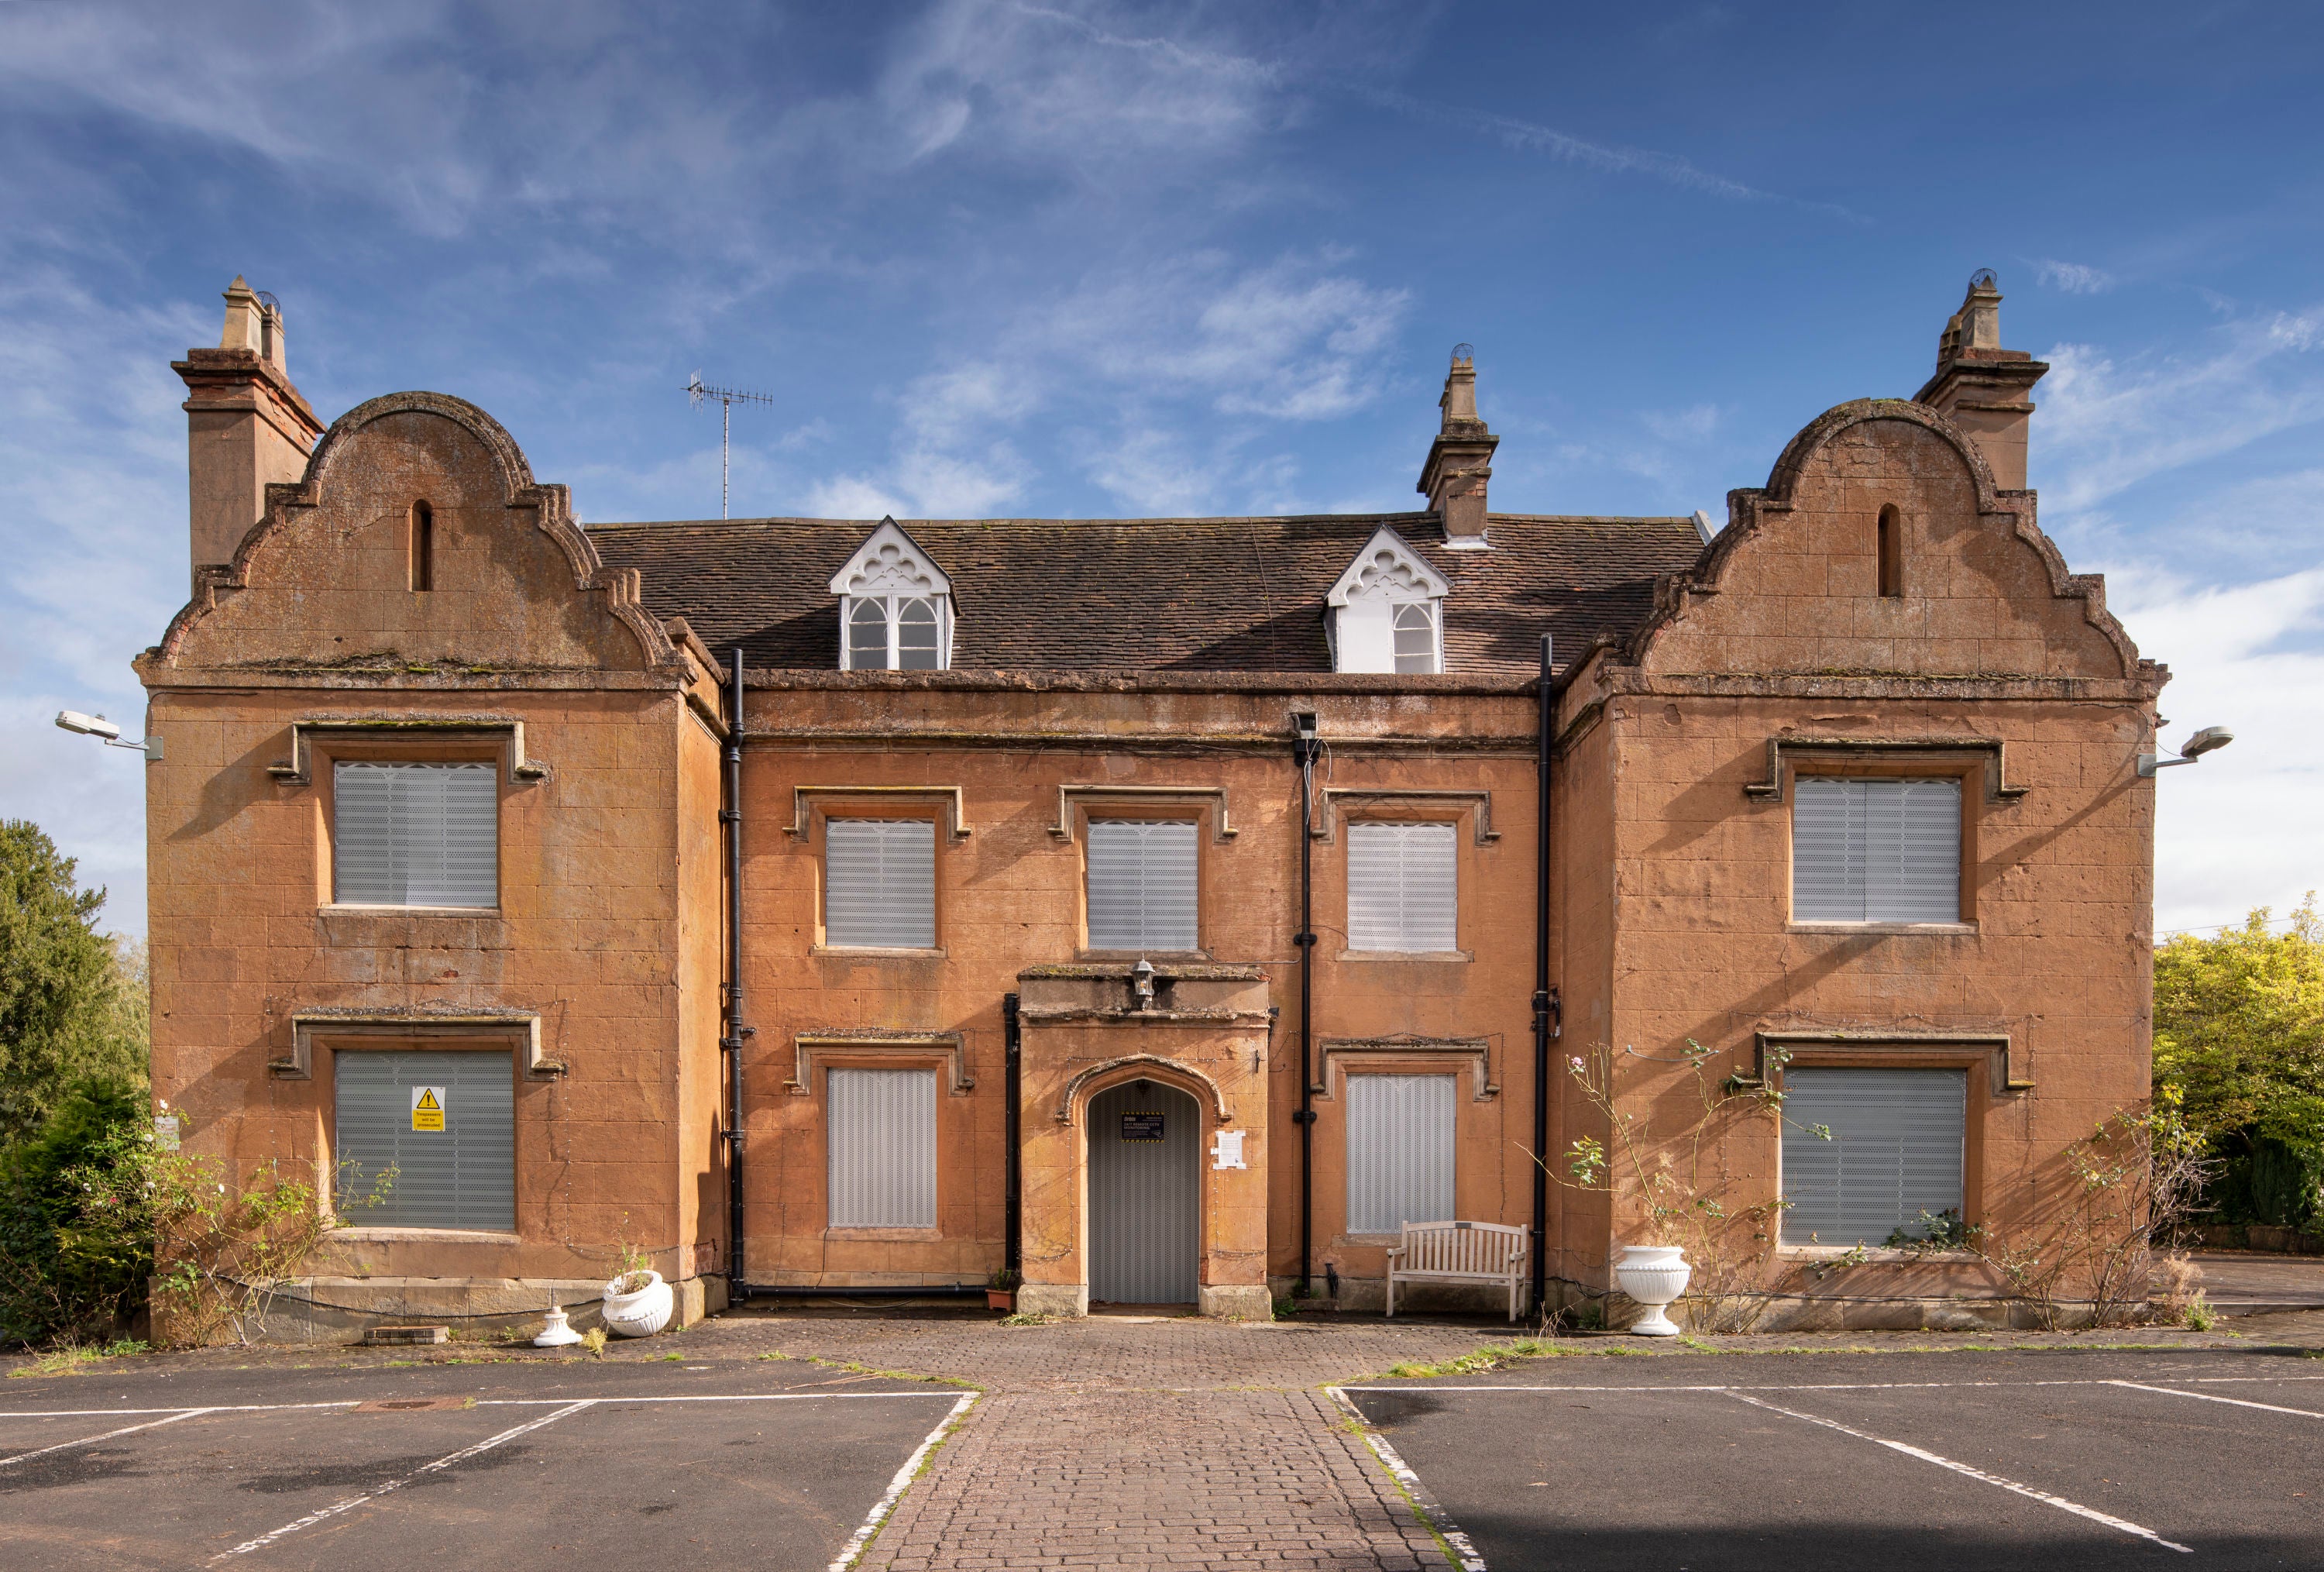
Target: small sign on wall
1141, 1126
1226, 1149
428, 1108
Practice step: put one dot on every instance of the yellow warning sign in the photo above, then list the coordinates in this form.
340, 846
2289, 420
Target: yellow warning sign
428, 1107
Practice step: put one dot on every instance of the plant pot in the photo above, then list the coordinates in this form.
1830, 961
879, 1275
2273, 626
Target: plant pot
1001, 1299
1654, 1275
640, 1314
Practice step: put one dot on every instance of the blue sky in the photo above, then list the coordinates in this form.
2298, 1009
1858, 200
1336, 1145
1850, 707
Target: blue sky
1096, 259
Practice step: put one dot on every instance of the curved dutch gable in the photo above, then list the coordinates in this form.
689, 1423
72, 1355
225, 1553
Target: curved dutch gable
325, 581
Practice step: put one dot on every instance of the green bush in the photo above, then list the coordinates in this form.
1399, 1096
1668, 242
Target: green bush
64, 1274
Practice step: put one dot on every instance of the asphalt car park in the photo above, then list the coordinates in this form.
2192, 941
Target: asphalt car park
510, 1466
1902, 1462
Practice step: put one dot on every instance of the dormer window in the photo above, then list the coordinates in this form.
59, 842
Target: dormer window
895, 607
1386, 612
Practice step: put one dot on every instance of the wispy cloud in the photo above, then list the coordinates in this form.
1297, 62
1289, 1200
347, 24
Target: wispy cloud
1299, 339
2106, 426
2073, 277
1604, 157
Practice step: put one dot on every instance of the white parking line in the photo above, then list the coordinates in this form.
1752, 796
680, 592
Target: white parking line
1833, 1385
2215, 1397
507, 1402
1401, 1472
92, 1440
447, 1461
2043, 1496
853, 1548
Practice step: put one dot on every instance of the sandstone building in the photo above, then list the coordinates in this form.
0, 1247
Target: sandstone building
1158, 908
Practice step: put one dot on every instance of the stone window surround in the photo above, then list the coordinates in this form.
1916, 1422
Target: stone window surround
1901, 758
433, 1028
1208, 808
1405, 1056
1418, 805
872, 1048
1984, 1056
811, 809
414, 738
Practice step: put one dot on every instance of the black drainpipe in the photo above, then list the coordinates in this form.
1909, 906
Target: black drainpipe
1544, 1002
1012, 1036
738, 1287
1303, 753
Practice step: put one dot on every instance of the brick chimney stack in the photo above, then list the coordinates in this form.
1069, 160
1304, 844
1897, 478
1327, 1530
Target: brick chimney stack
1987, 390
245, 425
1460, 461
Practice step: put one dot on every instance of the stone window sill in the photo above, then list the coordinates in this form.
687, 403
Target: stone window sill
360, 1235
1159, 956
1871, 1256
1442, 956
850, 952
334, 907
1882, 928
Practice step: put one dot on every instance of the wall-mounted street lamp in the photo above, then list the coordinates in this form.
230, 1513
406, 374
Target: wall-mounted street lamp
2209, 739
105, 731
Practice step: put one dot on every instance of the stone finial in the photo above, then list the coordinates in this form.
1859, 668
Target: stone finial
1460, 461
1983, 388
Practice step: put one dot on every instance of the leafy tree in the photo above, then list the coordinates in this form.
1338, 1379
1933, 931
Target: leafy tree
2239, 1040
72, 1000
59, 1277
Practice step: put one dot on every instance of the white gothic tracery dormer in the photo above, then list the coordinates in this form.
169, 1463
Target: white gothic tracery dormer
895, 607
1386, 612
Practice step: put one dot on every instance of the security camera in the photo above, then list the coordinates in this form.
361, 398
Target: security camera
94, 726
2205, 741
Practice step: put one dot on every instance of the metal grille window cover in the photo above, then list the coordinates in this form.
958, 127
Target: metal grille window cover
1399, 1152
463, 1176
1895, 1152
882, 1131
1875, 851
1142, 878
416, 835
1402, 888
880, 883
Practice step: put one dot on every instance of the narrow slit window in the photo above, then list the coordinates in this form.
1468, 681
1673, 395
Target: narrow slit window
1891, 531
423, 546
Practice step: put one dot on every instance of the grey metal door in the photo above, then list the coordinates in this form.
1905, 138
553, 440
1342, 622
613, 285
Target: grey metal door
1145, 1195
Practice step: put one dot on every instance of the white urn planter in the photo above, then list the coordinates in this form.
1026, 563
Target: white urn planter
1654, 1275
641, 1312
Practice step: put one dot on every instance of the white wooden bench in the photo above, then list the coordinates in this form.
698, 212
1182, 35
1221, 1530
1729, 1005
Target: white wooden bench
1459, 1253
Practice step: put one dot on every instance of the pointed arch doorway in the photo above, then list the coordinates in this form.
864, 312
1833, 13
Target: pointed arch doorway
1145, 1195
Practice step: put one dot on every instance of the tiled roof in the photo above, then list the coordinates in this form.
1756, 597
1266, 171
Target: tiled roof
1183, 595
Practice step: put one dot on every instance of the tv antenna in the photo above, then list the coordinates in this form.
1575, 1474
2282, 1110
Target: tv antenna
696, 393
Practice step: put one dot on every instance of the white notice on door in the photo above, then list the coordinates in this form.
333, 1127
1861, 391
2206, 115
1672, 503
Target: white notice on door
1226, 1149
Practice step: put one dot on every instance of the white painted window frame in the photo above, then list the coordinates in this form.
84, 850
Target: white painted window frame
891, 570
1361, 607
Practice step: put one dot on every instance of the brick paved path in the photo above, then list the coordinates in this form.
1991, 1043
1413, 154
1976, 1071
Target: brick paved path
1186, 1444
